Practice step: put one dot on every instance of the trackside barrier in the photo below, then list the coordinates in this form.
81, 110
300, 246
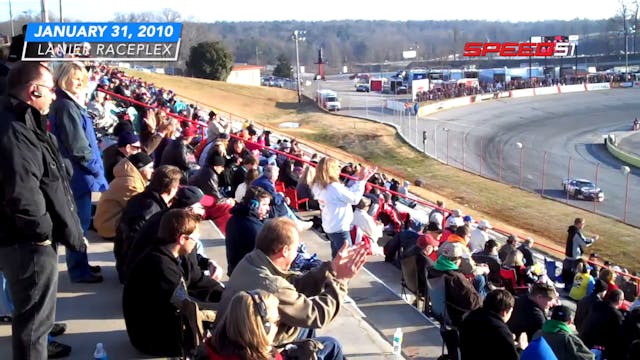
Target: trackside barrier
545, 248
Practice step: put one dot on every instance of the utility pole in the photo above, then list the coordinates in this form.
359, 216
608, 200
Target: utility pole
13, 32
60, 4
298, 35
43, 8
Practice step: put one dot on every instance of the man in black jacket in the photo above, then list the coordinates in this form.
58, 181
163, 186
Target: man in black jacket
156, 287
530, 310
177, 151
128, 144
200, 286
483, 332
245, 224
157, 196
603, 327
585, 306
37, 212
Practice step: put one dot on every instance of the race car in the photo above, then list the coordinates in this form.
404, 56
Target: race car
582, 189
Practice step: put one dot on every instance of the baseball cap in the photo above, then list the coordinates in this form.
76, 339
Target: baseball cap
189, 196
467, 218
424, 240
485, 224
454, 221
561, 313
451, 250
189, 131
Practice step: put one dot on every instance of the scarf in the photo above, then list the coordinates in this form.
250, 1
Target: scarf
444, 264
555, 326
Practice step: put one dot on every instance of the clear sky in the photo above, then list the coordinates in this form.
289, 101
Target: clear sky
263, 10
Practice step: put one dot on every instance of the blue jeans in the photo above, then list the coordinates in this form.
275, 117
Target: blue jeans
77, 261
6, 305
332, 350
337, 240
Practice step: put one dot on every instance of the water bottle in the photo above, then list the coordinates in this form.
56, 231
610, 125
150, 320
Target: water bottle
397, 342
100, 353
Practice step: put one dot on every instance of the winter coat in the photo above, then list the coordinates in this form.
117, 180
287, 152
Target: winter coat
565, 346
484, 335
207, 180
461, 296
583, 309
127, 183
138, 210
152, 320
311, 300
73, 127
576, 242
603, 327
527, 317
36, 201
176, 154
240, 236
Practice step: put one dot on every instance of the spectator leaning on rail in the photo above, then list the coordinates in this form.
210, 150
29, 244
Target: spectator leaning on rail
336, 200
73, 127
576, 244
38, 210
307, 302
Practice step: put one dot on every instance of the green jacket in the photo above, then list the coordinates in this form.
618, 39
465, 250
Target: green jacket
311, 300
564, 344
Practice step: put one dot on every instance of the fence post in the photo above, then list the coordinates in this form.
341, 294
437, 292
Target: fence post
544, 163
595, 200
481, 154
464, 137
500, 163
568, 175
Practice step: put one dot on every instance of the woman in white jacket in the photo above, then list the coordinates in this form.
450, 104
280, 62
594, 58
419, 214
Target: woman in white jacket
336, 200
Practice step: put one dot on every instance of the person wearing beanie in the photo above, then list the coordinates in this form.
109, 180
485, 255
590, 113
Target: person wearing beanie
131, 177
128, 143
561, 339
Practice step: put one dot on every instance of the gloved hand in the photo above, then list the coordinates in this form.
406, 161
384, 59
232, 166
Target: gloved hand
302, 350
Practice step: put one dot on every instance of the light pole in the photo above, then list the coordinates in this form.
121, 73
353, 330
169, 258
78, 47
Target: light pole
43, 8
298, 35
13, 33
626, 171
521, 147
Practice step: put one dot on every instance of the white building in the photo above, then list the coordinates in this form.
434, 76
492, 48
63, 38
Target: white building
245, 75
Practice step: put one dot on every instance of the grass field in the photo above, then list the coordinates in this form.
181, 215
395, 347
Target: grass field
348, 139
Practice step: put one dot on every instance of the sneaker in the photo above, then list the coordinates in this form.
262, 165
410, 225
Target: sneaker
95, 269
58, 329
89, 279
56, 350
304, 225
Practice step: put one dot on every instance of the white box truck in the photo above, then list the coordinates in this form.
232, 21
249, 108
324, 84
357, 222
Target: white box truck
328, 99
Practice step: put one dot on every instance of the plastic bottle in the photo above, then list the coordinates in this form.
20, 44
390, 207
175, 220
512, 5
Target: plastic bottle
100, 353
397, 342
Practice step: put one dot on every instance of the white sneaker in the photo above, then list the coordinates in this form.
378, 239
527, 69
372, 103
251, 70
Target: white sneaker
304, 225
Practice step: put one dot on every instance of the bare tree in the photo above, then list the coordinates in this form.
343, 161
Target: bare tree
170, 15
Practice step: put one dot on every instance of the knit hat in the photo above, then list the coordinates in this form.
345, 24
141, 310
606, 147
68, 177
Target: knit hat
140, 160
216, 160
190, 195
127, 138
561, 313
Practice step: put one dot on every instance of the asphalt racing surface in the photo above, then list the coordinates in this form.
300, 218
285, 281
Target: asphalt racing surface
562, 135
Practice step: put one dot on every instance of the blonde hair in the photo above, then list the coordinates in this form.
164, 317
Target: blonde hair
241, 331
308, 174
65, 70
514, 258
327, 172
